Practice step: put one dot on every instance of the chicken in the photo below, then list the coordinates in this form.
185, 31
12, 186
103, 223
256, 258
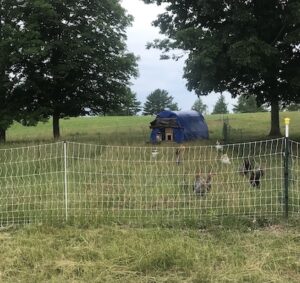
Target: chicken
208, 182
199, 186
202, 185
218, 146
154, 153
255, 177
246, 167
179, 154
225, 159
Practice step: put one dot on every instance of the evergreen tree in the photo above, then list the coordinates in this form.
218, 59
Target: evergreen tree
220, 106
157, 101
130, 106
200, 106
247, 105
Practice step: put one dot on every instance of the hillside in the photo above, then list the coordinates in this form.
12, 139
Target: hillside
120, 130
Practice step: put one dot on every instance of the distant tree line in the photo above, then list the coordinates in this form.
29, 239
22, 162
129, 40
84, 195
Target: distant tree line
244, 105
248, 104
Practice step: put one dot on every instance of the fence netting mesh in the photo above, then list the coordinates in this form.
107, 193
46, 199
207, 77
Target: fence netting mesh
87, 182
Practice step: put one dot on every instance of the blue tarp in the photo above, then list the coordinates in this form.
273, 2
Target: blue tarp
186, 125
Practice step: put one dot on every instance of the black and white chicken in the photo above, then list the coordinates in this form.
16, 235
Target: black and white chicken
246, 167
255, 177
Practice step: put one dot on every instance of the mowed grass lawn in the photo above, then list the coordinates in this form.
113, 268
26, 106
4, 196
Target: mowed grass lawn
123, 254
231, 253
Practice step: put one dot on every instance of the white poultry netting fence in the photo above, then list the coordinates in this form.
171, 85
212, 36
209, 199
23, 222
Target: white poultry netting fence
85, 182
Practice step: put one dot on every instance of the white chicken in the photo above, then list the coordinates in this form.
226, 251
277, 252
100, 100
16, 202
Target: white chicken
154, 153
218, 146
225, 159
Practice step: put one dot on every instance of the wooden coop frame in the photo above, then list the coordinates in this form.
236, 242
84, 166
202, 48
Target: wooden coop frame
169, 134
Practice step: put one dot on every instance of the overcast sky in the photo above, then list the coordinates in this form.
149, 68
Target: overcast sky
153, 72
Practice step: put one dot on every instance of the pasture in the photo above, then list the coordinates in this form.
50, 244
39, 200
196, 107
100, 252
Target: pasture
87, 183
126, 215
135, 130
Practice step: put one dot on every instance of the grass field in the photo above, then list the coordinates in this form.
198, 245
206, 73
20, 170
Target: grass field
123, 254
135, 130
235, 249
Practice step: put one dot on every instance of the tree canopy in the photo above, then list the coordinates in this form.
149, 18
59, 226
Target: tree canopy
72, 57
9, 32
157, 101
244, 47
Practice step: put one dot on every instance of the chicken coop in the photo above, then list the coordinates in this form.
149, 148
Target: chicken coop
178, 126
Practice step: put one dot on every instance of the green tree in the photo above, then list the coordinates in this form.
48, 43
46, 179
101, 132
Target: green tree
9, 31
247, 105
199, 106
74, 57
220, 106
293, 107
130, 106
244, 47
157, 101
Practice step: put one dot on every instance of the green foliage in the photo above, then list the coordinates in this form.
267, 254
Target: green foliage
293, 107
244, 47
129, 106
247, 105
200, 106
9, 32
157, 101
220, 106
73, 57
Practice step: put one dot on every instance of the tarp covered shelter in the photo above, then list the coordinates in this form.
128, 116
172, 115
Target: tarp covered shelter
178, 126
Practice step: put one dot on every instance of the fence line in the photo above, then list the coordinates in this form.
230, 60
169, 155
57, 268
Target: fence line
68, 181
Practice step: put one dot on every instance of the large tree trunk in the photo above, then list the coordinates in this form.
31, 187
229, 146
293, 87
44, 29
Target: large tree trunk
275, 123
56, 132
2, 135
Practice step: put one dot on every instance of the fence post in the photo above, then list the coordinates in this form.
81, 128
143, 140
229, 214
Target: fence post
225, 132
66, 180
286, 168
